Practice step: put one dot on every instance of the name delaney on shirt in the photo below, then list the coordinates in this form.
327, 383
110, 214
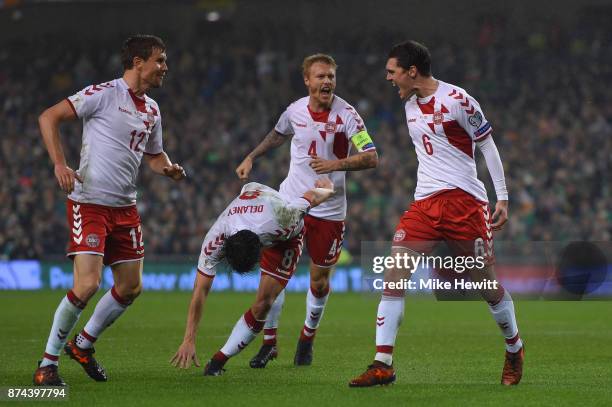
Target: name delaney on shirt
245, 209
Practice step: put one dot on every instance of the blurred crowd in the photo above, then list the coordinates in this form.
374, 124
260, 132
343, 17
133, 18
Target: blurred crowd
543, 88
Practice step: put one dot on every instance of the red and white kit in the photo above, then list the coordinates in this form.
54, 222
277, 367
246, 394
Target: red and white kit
325, 135
450, 201
276, 218
118, 128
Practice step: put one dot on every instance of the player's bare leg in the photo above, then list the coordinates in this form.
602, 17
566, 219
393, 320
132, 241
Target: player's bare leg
128, 285
268, 350
248, 326
502, 308
388, 319
86, 280
316, 299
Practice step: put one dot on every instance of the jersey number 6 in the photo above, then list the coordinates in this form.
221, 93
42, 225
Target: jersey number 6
427, 145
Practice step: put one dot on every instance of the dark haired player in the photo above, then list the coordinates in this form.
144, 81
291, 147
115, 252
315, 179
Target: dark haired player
260, 222
120, 125
445, 124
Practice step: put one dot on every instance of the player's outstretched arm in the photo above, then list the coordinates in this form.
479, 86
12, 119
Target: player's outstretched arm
49, 122
323, 190
272, 140
356, 162
161, 164
496, 170
186, 353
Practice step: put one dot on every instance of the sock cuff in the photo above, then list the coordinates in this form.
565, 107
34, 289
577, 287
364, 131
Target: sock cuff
118, 298
87, 336
54, 358
320, 293
513, 340
74, 300
391, 296
253, 324
384, 349
220, 356
307, 334
270, 331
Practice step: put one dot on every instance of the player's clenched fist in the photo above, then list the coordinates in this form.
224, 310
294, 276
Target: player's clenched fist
65, 177
500, 216
244, 168
324, 182
185, 354
322, 166
175, 171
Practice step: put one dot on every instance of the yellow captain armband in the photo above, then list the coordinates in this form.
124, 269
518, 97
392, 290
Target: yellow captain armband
362, 141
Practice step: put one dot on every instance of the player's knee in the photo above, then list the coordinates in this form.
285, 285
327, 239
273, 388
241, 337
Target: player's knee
261, 307
85, 289
129, 291
319, 287
319, 281
493, 295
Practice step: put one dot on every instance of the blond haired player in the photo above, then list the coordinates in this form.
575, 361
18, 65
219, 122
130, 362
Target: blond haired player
322, 127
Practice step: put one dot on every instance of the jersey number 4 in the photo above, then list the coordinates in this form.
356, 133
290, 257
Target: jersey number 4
312, 150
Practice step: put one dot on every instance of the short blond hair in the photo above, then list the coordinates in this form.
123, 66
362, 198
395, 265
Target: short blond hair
311, 59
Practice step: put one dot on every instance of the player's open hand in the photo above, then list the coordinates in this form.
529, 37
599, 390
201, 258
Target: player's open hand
322, 166
244, 169
66, 177
500, 216
175, 171
185, 354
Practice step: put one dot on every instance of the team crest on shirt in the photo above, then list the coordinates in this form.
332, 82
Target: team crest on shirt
330, 127
438, 117
92, 240
475, 119
399, 235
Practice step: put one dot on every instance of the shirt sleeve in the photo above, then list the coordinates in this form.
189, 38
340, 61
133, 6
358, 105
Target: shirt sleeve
284, 126
87, 102
469, 115
211, 254
357, 132
496, 169
155, 144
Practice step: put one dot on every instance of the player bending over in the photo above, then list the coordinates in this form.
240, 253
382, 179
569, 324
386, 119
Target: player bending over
263, 224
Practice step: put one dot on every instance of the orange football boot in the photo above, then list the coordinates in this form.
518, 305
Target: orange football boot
377, 373
513, 367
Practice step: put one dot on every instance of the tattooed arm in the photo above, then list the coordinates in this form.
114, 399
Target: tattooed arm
359, 161
272, 140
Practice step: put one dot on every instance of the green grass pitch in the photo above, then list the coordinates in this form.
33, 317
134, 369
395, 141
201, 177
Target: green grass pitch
447, 353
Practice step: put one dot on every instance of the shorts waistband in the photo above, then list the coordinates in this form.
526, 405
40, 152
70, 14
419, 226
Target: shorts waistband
101, 206
323, 219
455, 193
